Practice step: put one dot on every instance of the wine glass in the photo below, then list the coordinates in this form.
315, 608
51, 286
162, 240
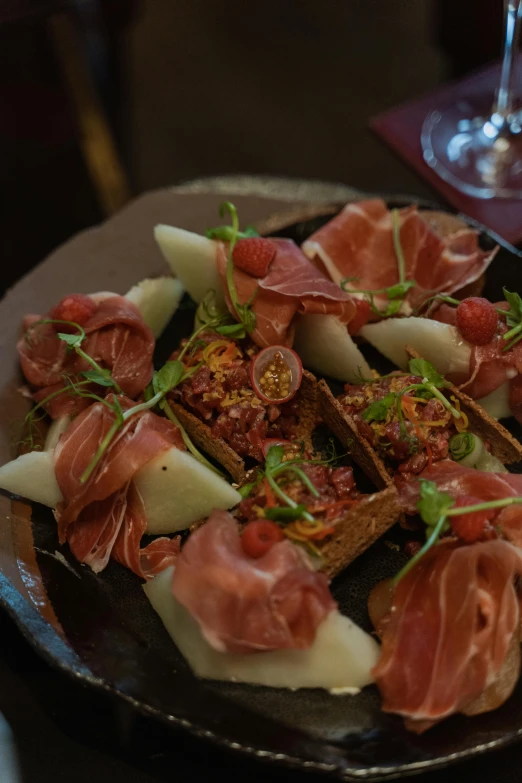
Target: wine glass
476, 145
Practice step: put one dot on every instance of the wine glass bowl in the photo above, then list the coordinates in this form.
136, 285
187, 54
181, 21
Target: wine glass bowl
474, 150
476, 145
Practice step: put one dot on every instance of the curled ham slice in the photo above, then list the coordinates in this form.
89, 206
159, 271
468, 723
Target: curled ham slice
358, 243
454, 619
105, 517
292, 285
245, 604
117, 338
457, 480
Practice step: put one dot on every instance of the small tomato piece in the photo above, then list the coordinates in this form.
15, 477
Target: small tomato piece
260, 536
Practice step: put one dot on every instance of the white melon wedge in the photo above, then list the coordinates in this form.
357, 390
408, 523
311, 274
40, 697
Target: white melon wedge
54, 432
157, 300
340, 659
177, 490
192, 259
324, 345
497, 402
440, 344
32, 476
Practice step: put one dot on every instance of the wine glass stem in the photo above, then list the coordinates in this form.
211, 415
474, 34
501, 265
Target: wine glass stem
504, 101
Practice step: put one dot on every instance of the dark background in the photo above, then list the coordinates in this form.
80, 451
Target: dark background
191, 88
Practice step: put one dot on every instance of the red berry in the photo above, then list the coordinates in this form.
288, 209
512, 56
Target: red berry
75, 307
361, 317
254, 255
477, 320
471, 527
412, 547
260, 536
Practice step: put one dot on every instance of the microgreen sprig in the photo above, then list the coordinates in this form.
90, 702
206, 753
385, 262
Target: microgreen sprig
432, 382
436, 508
244, 311
275, 466
395, 293
98, 374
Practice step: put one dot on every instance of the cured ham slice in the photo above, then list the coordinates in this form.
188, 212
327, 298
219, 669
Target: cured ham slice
358, 243
105, 516
292, 285
457, 480
117, 338
454, 619
244, 604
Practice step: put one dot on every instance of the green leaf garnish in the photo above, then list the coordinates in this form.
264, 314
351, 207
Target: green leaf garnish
237, 331
100, 378
274, 457
514, 314
378, 410
226, 233
285, 513
513, 319
427, 371
433, 504
72, 340
246, 489
168, 377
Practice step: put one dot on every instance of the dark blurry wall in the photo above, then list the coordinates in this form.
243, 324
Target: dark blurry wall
203, 87
284, 87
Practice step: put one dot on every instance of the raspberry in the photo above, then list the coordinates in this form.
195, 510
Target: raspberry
254, 255
471, 527
75, 307
361, 317
477, 320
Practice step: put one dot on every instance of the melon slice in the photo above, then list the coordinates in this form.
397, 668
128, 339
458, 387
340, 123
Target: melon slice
497, 402
157, 300
440, 344
324, 345
32, 476
341, 657
176, 489
192, 259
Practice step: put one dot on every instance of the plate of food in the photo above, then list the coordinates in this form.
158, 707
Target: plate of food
259, 476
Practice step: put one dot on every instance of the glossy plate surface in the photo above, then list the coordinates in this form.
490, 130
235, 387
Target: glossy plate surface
103, 630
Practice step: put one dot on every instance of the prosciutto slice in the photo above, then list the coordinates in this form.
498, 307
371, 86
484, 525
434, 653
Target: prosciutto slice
246, 605
292, 285
105, 517
457, 480
358, 243
117, 338
453, 620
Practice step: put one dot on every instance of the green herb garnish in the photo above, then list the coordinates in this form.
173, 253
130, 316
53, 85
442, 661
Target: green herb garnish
245, 314
436, 509
378, 410
461, 445
395, 293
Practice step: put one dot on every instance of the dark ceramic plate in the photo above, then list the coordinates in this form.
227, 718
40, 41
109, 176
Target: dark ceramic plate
102, 630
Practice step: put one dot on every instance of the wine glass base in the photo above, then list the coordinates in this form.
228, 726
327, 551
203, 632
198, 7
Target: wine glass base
474, 151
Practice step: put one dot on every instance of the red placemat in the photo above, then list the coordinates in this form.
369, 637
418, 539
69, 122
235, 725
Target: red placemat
401, 129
